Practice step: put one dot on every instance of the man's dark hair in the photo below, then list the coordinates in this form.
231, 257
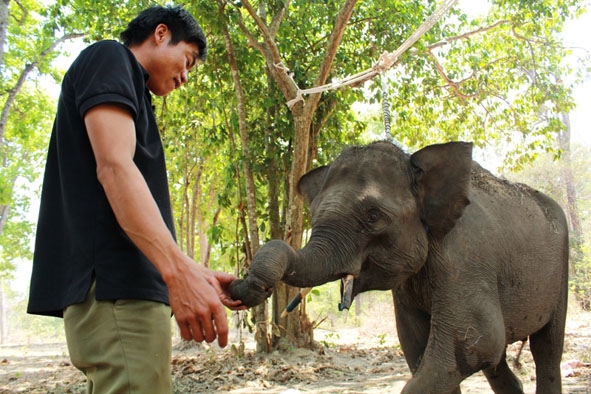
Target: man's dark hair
182, 25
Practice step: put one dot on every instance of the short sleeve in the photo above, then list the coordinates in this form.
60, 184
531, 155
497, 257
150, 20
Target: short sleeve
107, 73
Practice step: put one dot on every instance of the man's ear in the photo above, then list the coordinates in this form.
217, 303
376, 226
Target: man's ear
161, 33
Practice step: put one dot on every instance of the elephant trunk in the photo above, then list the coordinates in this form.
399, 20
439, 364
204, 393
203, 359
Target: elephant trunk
277, 261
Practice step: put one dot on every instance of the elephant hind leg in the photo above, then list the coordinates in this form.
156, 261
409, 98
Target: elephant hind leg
546, 348
501, 379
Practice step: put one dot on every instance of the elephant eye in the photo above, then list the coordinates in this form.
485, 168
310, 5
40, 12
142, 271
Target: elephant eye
373, 215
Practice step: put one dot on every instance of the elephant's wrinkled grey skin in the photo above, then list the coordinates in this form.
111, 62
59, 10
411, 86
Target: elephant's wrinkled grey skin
474, 262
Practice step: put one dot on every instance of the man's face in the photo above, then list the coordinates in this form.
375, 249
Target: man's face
170, 65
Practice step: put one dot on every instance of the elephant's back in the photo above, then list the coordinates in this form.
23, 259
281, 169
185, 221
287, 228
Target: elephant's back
515, 201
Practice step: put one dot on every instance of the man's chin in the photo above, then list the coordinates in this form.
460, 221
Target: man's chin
159, 91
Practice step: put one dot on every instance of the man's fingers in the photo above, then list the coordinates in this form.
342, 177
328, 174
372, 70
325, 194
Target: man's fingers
207, 329
235, 305
191, 330
197, 333
221, 326
185, 330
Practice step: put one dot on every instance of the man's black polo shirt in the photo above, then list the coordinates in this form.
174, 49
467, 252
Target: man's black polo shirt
78, 237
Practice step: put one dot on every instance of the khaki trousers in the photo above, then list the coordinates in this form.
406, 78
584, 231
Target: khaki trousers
123, 346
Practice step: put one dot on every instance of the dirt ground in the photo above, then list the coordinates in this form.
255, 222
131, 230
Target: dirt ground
352, 360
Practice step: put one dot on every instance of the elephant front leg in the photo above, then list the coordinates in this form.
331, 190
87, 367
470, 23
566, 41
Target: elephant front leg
413, 328
433, 379
454, 352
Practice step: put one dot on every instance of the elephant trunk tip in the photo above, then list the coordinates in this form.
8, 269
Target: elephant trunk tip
250, 293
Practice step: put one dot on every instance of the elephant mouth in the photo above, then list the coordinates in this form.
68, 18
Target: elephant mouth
346, 296
346, 292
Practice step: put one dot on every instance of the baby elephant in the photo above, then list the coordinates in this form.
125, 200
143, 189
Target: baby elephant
474, 262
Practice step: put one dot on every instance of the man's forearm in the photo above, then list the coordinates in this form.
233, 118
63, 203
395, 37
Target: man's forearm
139, 216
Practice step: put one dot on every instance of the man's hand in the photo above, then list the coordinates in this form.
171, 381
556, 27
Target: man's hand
197, 298
221, 282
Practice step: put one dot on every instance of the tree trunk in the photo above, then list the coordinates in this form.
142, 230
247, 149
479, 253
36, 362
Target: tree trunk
577, 240
291, 326
3, 27
2, 314
260, 313
4, 210
193, 223
571, 191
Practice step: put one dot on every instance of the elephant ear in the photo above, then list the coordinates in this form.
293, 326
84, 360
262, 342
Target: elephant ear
311, 183
442, 181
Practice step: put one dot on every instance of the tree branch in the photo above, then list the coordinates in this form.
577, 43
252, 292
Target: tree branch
333, 45
277, 18
271, 53
455, 86
23, 77
466, 35
251, 40
267, 36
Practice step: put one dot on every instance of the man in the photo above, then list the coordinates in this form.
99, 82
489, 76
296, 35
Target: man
105, 256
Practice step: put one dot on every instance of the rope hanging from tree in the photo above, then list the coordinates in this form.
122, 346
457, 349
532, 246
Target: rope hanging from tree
386, 61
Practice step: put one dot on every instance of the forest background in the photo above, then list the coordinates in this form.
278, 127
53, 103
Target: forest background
498, 73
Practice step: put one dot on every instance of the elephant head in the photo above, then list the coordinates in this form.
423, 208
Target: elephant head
375, 211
